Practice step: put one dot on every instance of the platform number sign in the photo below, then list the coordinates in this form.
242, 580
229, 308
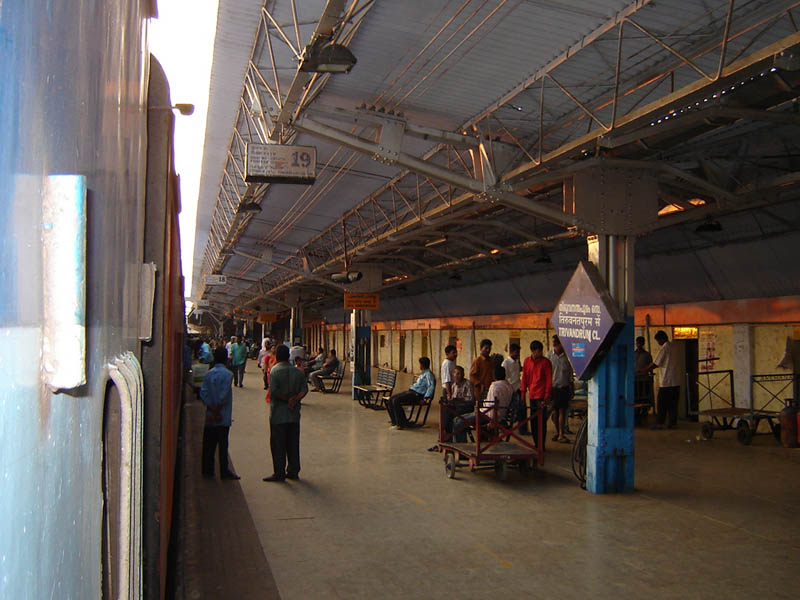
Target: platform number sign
586, 319
280, 163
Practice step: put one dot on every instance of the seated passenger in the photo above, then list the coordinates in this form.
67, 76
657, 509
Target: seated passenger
315, 363
328, 367
422, 389
494, 408
462, 401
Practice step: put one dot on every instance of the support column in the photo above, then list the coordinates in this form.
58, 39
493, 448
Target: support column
360, 332
610, 451
296, 325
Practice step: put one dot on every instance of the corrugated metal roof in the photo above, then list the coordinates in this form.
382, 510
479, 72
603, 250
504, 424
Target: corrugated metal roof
483, 51
237, 21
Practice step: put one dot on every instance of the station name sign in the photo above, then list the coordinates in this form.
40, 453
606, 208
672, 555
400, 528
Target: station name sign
279, 163
586, 319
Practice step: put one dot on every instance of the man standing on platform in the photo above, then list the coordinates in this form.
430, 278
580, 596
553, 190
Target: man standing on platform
238, 361
448, 366
537, 382
561, 392
217, 394
481, 374
669, 388
287, 387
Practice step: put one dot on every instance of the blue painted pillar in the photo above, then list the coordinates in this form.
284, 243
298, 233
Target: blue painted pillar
360, 325
609, 453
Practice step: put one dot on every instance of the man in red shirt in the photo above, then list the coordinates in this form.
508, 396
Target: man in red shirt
537, 382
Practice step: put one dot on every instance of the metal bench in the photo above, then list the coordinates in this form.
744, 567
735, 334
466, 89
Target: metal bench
375, 395
335, 378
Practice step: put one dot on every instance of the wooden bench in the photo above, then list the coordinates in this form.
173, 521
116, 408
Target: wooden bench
335, 378
375, 395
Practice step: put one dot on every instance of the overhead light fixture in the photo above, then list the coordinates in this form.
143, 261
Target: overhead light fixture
327, 58
494, 251
248, 207
710, 226
346, 276
185, 109
436, 242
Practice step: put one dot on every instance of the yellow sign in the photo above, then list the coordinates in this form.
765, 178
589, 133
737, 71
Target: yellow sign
361, 301
684, 333
266, 317
514, 333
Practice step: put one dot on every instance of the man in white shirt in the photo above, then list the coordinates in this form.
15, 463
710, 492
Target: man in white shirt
296, 351
448, 366
670, 384
494, 407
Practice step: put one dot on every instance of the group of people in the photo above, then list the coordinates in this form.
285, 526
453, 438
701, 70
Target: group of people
493, 385
313, 367
287, 387
286, 371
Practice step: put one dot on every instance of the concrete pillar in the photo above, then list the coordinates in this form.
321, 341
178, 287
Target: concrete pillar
742, 364
360, 347
296, 325
609, 455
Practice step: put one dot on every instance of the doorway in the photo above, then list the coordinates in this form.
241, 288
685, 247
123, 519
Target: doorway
686, 354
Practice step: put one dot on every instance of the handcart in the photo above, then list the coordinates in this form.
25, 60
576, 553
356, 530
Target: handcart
497, 444
717, 388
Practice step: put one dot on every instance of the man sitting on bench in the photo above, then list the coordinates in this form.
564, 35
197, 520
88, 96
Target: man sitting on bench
494, 407
327, 369
422, 389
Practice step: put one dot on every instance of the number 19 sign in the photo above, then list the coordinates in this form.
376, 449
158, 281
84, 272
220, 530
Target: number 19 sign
277, 163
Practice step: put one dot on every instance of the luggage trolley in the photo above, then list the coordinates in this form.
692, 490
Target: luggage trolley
725, 415
493, 446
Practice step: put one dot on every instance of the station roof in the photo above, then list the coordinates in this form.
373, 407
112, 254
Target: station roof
455, 153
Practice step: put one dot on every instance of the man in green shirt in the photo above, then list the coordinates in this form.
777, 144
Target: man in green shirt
287, 387
238, 361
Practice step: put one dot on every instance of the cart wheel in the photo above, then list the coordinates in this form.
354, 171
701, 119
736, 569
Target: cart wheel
707, 430
744, 433
501, 469
450, 465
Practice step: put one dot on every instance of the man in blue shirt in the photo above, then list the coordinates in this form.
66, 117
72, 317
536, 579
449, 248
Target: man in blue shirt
422, 389
238, 361
287, 387
205, 353
217, 394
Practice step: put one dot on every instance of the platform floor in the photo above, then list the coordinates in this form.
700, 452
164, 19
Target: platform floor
374, 515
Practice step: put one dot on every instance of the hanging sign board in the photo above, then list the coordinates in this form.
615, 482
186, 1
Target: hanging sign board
586, 319
278, 163
361, 301
267, 318
216, 280
203, 304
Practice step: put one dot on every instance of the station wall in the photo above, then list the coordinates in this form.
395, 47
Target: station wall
400, 343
